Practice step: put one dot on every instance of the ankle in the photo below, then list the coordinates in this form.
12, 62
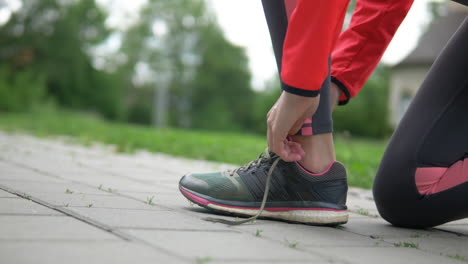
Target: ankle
320, 152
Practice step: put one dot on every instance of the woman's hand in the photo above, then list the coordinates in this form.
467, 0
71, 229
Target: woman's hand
286, 118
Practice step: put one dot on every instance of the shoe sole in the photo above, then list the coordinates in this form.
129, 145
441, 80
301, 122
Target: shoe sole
312, 216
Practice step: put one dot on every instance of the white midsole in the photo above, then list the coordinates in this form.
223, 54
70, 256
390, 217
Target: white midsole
303, 216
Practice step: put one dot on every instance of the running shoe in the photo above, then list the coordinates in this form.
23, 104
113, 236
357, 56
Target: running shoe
294, 194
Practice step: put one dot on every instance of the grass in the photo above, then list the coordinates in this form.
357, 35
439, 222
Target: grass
360, 156
292, 244
458, 257
149, 200
258, 233
362, 211
406, 244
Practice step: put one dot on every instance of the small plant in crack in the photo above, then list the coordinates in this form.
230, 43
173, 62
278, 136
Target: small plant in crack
458, 257
362, 211
406, 244
258, 233
68, 191
26, 196
149, 200
292, 244
100, 187
89, 205
203, 260
416, 235
66, 205
110, 190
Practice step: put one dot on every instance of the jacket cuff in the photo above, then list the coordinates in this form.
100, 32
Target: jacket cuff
300, 92
345, 96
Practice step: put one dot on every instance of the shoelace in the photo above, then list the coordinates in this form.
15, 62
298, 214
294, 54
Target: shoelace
264, 200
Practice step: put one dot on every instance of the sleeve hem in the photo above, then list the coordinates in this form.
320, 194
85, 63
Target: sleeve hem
300, 92
344, 89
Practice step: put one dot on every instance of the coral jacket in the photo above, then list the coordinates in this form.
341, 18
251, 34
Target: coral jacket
314, 34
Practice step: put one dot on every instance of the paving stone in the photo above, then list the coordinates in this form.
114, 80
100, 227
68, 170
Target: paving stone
459, 229
308, 236
35, 187
147, 219
48, 227
384, 255
12, 172
172, 200
82, 252
92, 200
220, 245
4, 194
445, 245
379, 228
23, 206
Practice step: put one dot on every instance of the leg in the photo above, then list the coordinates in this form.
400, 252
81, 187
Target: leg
421, 181
316, 134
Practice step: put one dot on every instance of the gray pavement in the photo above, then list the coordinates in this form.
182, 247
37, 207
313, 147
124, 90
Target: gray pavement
65, 203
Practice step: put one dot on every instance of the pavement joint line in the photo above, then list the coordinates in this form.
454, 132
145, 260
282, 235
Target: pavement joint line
451, 232
66, 212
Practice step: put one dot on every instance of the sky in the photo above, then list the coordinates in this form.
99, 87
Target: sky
244, 24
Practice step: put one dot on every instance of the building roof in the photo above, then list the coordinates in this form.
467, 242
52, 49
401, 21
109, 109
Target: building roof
433, 41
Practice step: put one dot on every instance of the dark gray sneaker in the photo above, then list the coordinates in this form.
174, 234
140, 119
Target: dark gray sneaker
294, 194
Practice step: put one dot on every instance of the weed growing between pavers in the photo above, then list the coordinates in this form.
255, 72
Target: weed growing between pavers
68, 191
458, 257
149, 200
203, 260
362, 211
292, 244
258, 233
89, 205
406, 244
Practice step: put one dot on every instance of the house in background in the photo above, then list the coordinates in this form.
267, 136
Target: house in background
408, 75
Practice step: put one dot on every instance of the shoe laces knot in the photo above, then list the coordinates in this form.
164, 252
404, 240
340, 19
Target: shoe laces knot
264, 157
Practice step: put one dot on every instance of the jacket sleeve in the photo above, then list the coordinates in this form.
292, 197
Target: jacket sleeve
360, 47
313, 29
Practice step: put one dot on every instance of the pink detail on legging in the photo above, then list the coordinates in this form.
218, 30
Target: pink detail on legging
306, 129
430, 180
290, 6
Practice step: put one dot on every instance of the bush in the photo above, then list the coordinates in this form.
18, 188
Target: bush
367, 114
20, 91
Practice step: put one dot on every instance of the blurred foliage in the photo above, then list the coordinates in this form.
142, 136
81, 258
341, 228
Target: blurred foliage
51, 38
367, 114
173, 67
21, 91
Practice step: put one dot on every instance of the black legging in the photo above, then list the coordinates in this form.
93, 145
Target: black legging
277, 20
433, 133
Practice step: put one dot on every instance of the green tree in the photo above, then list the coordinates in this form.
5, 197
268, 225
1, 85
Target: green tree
54, 38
